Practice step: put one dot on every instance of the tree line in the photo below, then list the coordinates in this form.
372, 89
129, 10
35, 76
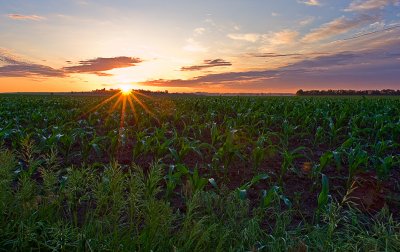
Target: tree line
347, 92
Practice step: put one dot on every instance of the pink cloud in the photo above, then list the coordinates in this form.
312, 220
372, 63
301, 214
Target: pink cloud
25, 17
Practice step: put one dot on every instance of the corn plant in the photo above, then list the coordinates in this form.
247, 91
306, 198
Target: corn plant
357, 160
288, 160
227, 152
274, 195
323, 196
242, 190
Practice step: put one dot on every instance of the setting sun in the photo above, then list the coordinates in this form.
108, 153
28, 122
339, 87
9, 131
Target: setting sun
126, 89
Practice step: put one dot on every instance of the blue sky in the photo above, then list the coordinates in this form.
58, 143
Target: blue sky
213, 46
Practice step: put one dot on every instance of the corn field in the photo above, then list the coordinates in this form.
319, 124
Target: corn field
194, 173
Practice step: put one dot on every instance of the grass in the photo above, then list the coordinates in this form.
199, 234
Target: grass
125, 211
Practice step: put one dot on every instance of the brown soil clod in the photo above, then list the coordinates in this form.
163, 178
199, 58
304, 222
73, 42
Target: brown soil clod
366, 193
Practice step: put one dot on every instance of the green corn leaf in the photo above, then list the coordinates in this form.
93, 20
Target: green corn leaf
242, 193
324, 194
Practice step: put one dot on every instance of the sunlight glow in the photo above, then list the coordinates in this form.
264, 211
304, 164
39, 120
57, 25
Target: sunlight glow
123, 101
126, 89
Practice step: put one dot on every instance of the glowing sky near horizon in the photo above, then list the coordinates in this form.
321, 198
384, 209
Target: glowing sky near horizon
208, 45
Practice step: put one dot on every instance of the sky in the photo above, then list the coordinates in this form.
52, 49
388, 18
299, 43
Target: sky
199, 46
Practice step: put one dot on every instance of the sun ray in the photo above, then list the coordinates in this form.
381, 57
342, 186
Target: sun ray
126, 97
144, 95
143, 106
122, 99
132, 106
116, 104
123, 110
101, 104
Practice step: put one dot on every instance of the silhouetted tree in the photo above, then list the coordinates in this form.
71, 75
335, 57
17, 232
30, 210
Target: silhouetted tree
330, 92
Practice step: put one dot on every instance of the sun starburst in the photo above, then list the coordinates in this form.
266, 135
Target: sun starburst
126, 90
126, 98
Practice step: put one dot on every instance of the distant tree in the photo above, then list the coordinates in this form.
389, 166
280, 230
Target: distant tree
300, 92
348, 92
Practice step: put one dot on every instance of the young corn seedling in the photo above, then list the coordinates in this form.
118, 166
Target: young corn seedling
140, 146
174, 178
323, 196
274, 194
259, 153
215, 134
288, 161
186, 146
325, 160
385, 165
242, 190
288, 130
357, 159
197, 182
227, 152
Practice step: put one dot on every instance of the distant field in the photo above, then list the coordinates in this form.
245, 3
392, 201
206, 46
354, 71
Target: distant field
197, 173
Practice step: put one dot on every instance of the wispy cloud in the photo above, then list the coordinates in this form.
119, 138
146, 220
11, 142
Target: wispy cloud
194, 46
338, 26
249, 37
283, 37
306, 21
207, 64
99, 65
26, 17
274, 55
310, 2
367, 5
271, 39
199, 31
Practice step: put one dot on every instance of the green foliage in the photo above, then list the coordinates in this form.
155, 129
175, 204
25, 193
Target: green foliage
323, 196
288, 161
88, 181
242, 190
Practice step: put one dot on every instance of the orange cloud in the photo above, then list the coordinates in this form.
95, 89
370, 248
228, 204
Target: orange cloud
368, 5
99, 65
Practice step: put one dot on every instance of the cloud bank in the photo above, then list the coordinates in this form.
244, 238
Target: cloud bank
343, 69
14, 67
11, 66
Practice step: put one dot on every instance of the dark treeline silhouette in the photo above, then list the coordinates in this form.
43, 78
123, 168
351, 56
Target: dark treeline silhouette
348, 92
